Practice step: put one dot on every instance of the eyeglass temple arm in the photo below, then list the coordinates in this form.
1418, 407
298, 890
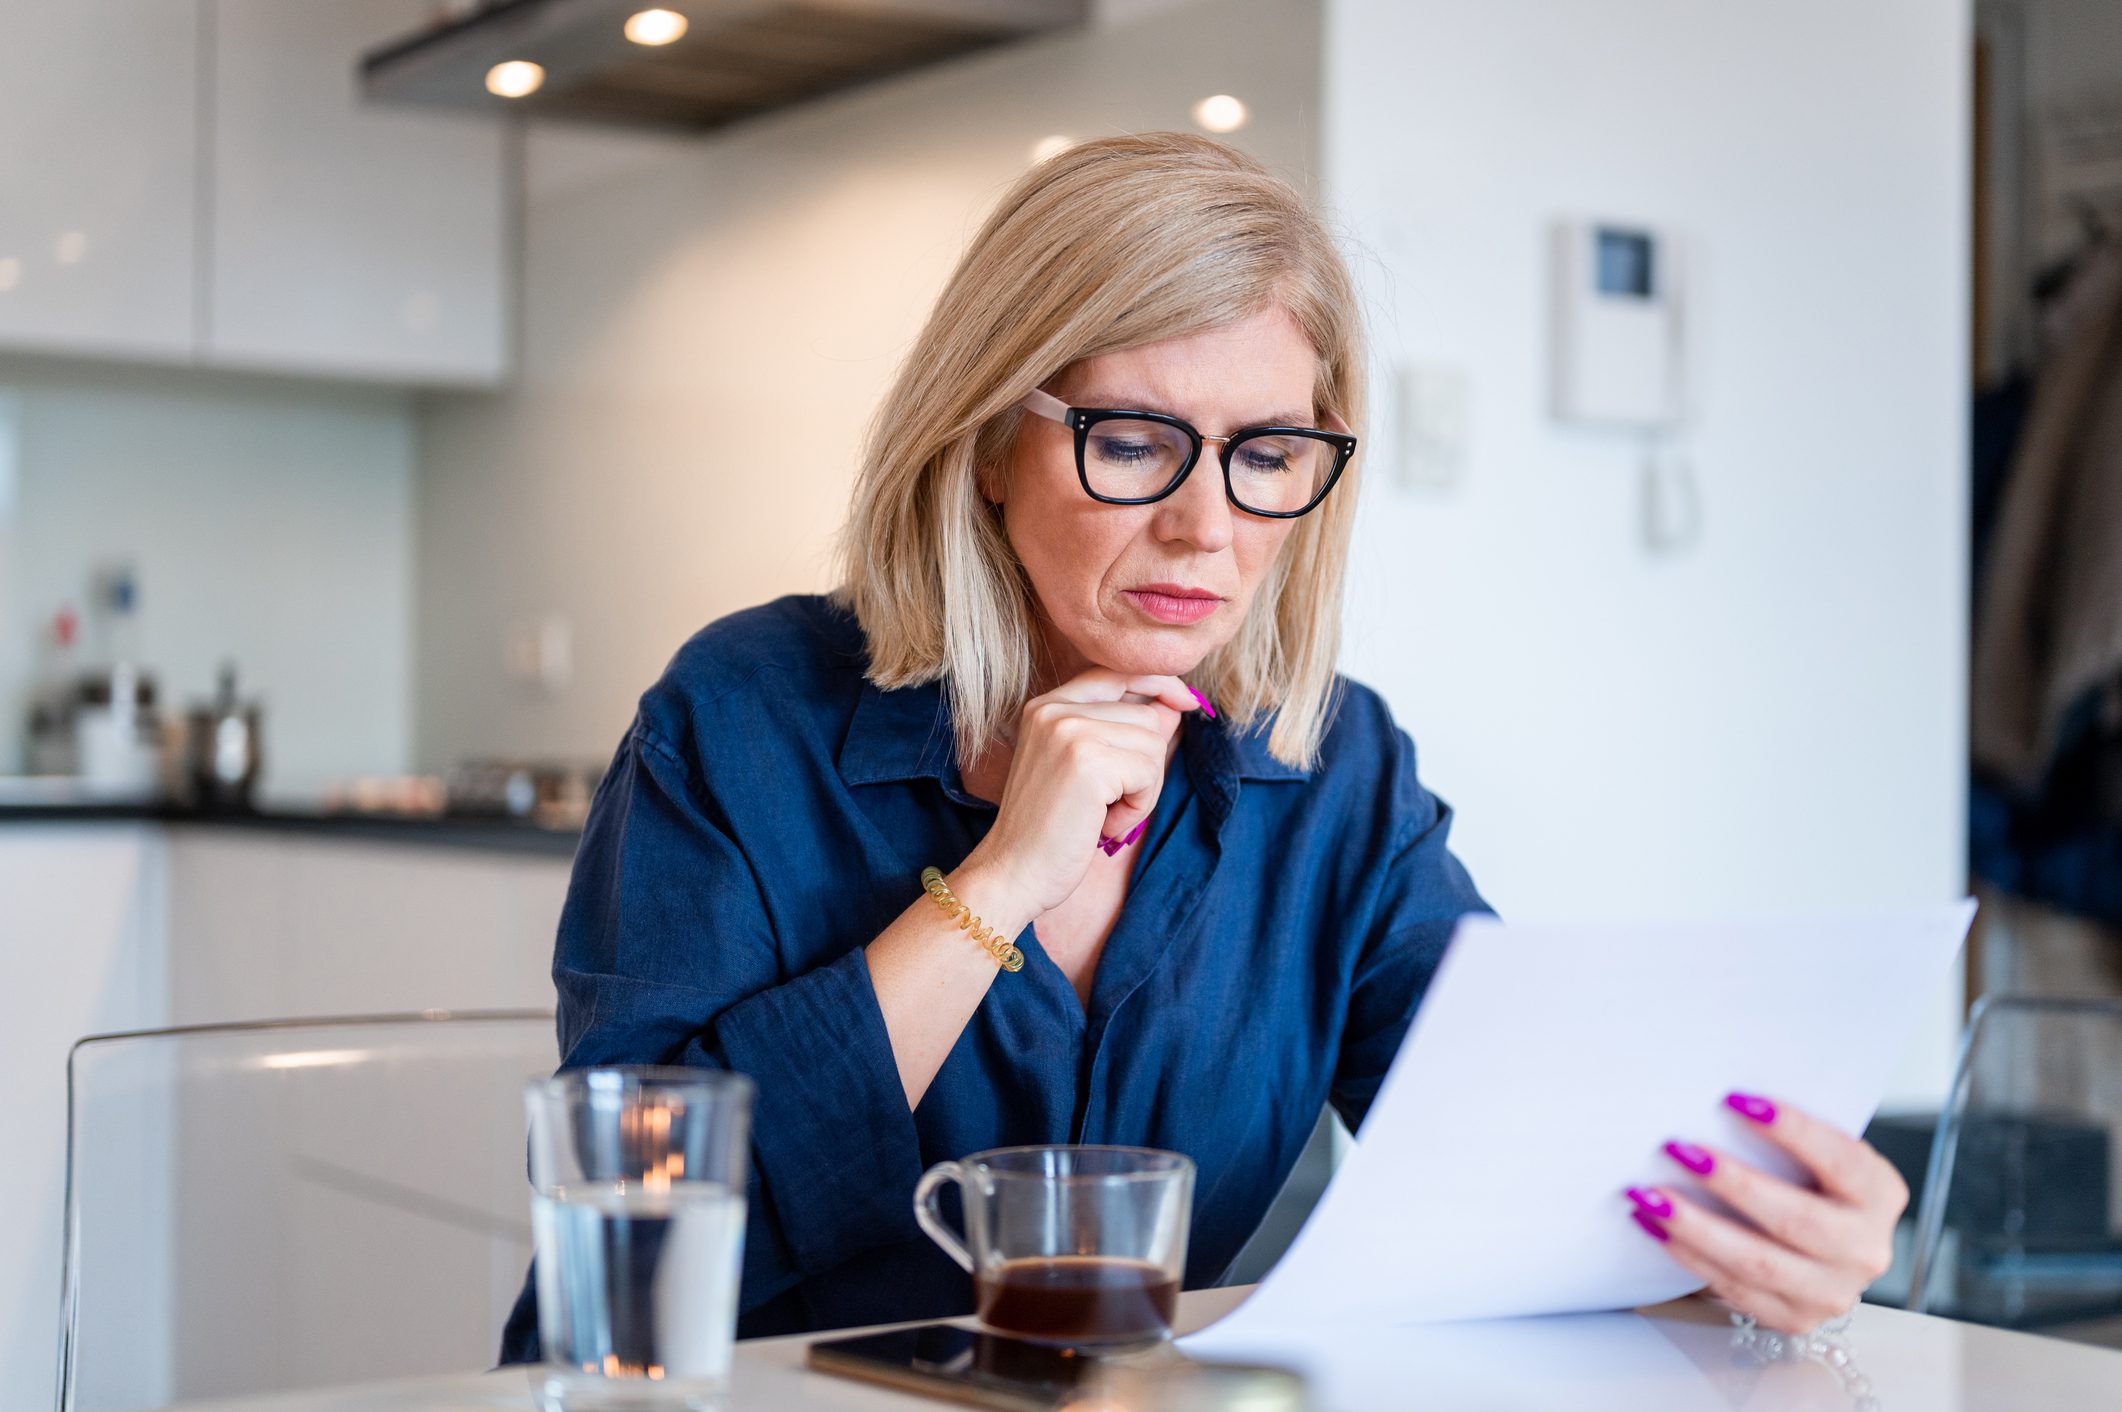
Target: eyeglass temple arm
1046, 405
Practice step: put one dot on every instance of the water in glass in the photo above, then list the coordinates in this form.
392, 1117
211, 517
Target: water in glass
637, 1293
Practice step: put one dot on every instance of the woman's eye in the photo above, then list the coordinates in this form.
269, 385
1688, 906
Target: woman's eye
1265, 461
1125, 451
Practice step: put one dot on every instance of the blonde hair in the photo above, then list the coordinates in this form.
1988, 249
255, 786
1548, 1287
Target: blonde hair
1112, 244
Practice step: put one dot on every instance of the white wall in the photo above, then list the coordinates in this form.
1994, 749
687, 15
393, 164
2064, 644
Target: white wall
707, 324
269, 524
1773, 718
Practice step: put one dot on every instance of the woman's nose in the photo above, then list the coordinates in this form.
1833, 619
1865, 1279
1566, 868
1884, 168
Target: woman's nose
1198, 511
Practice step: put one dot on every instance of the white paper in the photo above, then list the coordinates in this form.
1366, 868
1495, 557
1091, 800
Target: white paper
1548, 1066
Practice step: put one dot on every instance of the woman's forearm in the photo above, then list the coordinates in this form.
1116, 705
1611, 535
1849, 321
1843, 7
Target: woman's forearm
930, 975
1100, 741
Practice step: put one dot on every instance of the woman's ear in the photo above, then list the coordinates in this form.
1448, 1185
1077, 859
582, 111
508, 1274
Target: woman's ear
989, 485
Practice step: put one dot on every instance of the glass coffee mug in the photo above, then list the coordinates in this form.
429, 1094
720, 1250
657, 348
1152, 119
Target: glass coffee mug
1068, 1245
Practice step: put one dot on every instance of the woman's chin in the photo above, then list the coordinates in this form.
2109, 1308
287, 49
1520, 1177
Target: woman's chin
1165, 652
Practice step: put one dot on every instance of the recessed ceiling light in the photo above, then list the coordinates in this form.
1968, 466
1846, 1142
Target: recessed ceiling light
1220, 113
515, 78
655, 26
71, 247
10, 273
1053, 146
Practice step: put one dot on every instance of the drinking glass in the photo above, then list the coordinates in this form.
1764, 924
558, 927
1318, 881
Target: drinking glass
637, 1211
1072, 1245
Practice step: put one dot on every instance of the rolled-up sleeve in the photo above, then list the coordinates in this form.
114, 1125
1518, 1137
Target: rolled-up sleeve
1424, 894
666, 955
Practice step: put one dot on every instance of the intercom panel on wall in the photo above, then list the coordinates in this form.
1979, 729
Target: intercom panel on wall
1617, 324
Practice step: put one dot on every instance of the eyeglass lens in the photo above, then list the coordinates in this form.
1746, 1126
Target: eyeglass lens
1125, 459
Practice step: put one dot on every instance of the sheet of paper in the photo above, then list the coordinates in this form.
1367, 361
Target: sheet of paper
1547, 1067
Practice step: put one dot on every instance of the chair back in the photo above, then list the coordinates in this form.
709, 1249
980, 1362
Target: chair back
2017, 1216
256, 1208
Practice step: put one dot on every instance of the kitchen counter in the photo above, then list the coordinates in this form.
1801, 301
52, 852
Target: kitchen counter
508, 835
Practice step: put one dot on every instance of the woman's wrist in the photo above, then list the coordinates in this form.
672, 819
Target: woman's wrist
991, 889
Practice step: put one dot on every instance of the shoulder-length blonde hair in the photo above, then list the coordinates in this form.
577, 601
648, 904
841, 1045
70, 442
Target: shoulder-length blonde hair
1112, 244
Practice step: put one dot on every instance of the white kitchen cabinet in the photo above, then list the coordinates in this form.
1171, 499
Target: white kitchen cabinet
269, 924
98, 161
199, 181
124, 926
84, 943
347, 238
113, 925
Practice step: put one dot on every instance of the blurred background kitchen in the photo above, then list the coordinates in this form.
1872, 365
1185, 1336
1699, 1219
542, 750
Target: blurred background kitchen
387, 387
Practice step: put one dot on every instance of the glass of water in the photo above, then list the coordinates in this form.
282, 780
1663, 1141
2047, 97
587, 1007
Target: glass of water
637, 1210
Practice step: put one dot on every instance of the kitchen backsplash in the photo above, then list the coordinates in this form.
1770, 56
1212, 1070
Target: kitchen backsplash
266, 522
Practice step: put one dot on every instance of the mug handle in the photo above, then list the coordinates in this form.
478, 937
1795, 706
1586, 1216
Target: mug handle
930, 1215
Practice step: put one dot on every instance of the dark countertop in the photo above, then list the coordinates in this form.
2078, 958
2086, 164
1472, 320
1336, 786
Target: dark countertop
447, 831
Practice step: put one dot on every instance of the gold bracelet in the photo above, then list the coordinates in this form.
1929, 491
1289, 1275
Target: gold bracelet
998, 945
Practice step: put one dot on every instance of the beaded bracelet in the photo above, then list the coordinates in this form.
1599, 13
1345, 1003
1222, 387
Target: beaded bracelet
998, 945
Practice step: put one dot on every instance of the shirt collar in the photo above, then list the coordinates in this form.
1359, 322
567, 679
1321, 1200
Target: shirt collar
1249, 754
905, 734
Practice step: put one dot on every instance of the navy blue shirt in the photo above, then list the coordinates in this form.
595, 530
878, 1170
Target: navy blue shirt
769, 813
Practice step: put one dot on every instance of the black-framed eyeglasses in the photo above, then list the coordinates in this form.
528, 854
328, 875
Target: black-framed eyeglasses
1130, 457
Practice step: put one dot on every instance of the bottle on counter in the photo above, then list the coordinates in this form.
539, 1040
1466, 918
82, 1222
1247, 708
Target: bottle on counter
118, 743
116, 601
51, 709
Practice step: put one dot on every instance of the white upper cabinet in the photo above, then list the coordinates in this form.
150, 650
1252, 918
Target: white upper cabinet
347, 238
200, 181
98, 129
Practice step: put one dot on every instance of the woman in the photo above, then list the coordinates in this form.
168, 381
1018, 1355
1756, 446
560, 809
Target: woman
1083, 664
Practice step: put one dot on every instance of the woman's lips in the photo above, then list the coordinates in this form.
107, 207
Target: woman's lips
1170, 608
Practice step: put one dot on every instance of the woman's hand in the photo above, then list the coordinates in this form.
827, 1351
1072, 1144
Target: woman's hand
1089, 759
1088, 764
1801, 1256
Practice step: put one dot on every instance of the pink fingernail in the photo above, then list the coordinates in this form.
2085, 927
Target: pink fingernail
1204, 703
1748, 1106
1695, 1159
1650, 1228
1107, 846
1651, 1202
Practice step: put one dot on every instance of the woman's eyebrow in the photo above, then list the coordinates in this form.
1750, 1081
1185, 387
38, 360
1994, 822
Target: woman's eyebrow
1135, 402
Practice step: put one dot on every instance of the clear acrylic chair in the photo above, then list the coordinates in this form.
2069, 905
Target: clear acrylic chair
263, 1207
2019, 1215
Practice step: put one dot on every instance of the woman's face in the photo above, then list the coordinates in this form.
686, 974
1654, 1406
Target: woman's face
1099, 570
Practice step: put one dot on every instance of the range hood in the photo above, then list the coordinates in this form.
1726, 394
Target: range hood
735, 60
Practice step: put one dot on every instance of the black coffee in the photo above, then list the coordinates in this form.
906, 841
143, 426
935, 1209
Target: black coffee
1093, 1298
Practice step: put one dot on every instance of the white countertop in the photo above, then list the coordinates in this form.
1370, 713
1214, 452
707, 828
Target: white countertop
1678, 1356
